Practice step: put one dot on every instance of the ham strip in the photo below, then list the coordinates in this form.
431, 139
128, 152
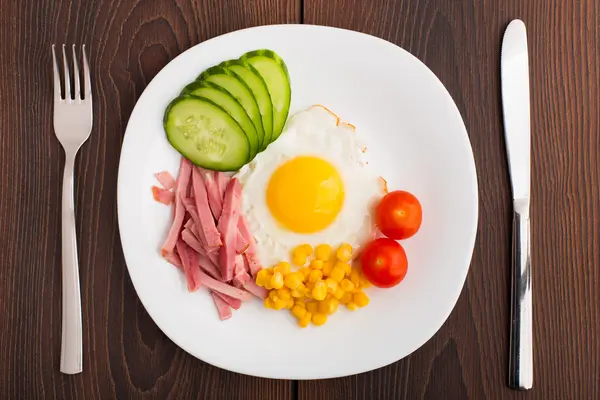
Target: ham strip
215, 196
244, 280
222, 307
205, 261
222, 287
251, 252
221, 180
162, 195
209, 235
233, 303
165, 179
228, 228
183, 181
190, 265
174, 259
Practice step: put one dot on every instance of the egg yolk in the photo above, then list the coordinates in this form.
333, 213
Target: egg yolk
305, 194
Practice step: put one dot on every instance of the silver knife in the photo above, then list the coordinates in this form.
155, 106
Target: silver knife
514, 70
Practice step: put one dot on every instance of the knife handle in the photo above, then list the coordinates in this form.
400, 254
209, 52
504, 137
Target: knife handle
520, 368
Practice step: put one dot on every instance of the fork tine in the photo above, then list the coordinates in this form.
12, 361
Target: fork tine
57, 95
86, 75
67, 77
77, 95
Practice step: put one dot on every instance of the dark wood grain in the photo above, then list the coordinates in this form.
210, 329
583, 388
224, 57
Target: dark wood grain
460, 42
126, 356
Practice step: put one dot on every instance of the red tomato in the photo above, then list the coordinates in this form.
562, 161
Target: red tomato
399, 215
384, 262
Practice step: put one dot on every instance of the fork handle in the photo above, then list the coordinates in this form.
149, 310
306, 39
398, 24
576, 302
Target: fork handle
71, 346
520, 374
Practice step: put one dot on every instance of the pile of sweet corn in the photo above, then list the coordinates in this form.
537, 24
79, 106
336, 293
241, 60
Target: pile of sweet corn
316, 288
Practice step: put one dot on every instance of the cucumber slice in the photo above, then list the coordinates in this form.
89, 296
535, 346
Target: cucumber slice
223, 99
228, 81
206, 134
257, 86
275, 74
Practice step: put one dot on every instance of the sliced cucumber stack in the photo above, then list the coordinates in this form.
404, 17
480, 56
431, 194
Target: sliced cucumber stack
231, 112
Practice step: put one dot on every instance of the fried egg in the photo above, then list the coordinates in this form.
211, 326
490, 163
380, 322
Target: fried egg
310, 186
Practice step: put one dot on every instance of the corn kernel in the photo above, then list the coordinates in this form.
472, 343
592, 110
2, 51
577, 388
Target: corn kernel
261, 277
327, 268
300, 291
364, 283
289, 303
312, 307
300, 303
361, 299
337, 274
355, 277
306, 249
283, 268
305, 320
339, 293
344, 252
323, 252
328, 306
305, 272
276, 280
352, 306
279, 304
316, 264
310, 286
331, 285
299, 260
284, 293
319, 291
268, 303
346, 298
347, 285
294, 280
319, 319
298, 311
347, 268
315, 275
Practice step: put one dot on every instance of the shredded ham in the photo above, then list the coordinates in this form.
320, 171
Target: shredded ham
233, 303
165, 179
228, 227
209, 240
190, 265
162, 195
251, 252
223, 308
181, 189
223, 287
209, 235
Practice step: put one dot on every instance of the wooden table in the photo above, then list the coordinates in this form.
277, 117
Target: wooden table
127, 356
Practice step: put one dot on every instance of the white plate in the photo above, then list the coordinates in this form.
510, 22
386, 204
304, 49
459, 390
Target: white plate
416, 140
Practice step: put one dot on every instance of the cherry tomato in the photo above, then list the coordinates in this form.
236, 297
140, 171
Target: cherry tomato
399, 215
384, 262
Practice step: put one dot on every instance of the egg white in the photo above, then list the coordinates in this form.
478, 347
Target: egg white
313, 132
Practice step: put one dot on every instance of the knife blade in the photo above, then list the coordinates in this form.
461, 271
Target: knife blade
514, 71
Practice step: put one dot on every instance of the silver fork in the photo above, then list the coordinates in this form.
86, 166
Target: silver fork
72, 126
